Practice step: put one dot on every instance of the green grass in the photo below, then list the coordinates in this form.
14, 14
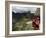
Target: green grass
21, 25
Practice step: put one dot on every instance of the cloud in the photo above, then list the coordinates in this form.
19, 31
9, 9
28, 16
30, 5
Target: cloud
22, 9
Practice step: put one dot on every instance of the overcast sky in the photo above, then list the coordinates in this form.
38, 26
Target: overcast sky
22, 9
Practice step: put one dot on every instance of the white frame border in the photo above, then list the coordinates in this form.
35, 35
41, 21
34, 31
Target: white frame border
24, 32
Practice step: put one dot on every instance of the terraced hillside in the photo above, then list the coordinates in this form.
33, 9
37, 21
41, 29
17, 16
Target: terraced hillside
22, 21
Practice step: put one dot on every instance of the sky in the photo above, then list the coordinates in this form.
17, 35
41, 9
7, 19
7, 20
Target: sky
22, 9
